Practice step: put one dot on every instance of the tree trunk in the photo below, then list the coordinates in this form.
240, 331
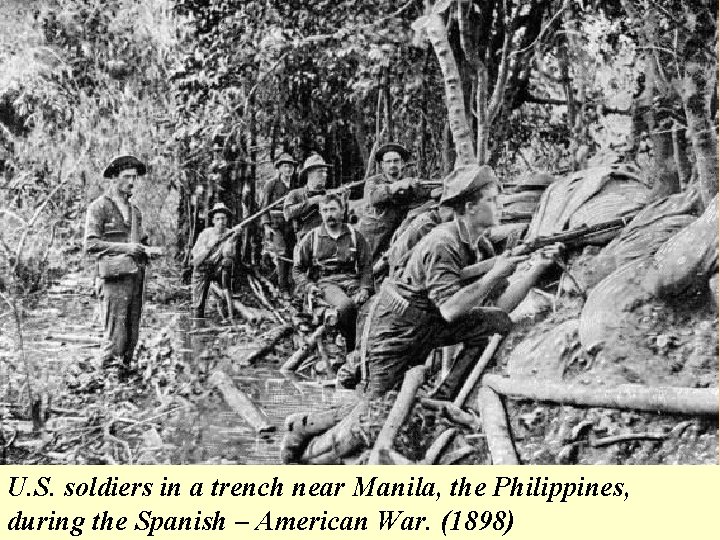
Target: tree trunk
389, 126
454, 99
483, 131
699, 131
495, 426
359, 131
693, 401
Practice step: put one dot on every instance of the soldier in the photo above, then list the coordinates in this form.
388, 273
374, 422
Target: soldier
425, 307
387, 197
302, 204
209, 266
333, 261
114, 234
408, 235
278, 232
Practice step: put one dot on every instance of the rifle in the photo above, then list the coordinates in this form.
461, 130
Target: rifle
572, 238
237, 229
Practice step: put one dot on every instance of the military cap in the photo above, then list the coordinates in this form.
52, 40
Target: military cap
219, 208
121, 163
315, 161
465, 180
392, 147
285, 158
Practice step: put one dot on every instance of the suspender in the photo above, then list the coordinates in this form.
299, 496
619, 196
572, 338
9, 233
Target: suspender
316, 242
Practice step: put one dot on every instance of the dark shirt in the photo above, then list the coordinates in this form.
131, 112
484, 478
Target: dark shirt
305, 216
275, 189
384, 207
105, 225
336, 259
432, 274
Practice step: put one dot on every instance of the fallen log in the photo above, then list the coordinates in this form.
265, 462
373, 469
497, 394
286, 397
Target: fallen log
463, 451
266, 343
414, 377
75, 338
239, 402
438, 445
477, 370
250, 314
292, 363
495, 426
665, 399
452, 412
260, 295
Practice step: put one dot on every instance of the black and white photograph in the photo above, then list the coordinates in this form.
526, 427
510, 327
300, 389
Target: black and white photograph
353, 232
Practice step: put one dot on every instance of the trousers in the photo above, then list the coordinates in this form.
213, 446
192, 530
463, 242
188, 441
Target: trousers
202, 277
122, 299
398, 339
340, 299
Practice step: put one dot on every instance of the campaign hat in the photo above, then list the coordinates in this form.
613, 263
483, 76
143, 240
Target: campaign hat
121, 163
315, 161
392, 147
219, 207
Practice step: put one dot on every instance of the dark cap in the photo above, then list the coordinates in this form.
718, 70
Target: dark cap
392, 147
122, 163
465, 180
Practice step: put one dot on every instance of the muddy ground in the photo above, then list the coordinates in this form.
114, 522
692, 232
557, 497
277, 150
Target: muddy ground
170, 413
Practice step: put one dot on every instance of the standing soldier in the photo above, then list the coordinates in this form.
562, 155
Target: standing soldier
387, 198
278, 231
302, 204
334, 259
114, 234
209, 265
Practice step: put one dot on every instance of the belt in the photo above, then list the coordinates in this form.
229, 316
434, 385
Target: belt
397, 303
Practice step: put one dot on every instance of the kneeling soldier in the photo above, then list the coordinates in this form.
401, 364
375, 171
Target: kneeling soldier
426, 305
333, 261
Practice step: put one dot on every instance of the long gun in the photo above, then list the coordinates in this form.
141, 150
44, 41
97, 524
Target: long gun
571, 238
237, 229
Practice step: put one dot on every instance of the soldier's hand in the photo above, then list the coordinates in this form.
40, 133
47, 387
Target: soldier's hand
506, 263
315, 199
413, 183
545, 257
361, 297
312, 291
135, 250
228, 250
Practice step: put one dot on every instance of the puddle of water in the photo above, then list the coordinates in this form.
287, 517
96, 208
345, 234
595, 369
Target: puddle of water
214, 433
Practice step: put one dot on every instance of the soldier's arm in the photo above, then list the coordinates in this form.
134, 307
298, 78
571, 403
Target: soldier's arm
471, 296
94, 230
445, 290
301, 263
522, 281
201, 249
295, 206
267, 190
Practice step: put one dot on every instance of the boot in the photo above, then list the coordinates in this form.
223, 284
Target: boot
301, 427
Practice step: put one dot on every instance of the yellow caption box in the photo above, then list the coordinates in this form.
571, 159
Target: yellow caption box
232, 502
